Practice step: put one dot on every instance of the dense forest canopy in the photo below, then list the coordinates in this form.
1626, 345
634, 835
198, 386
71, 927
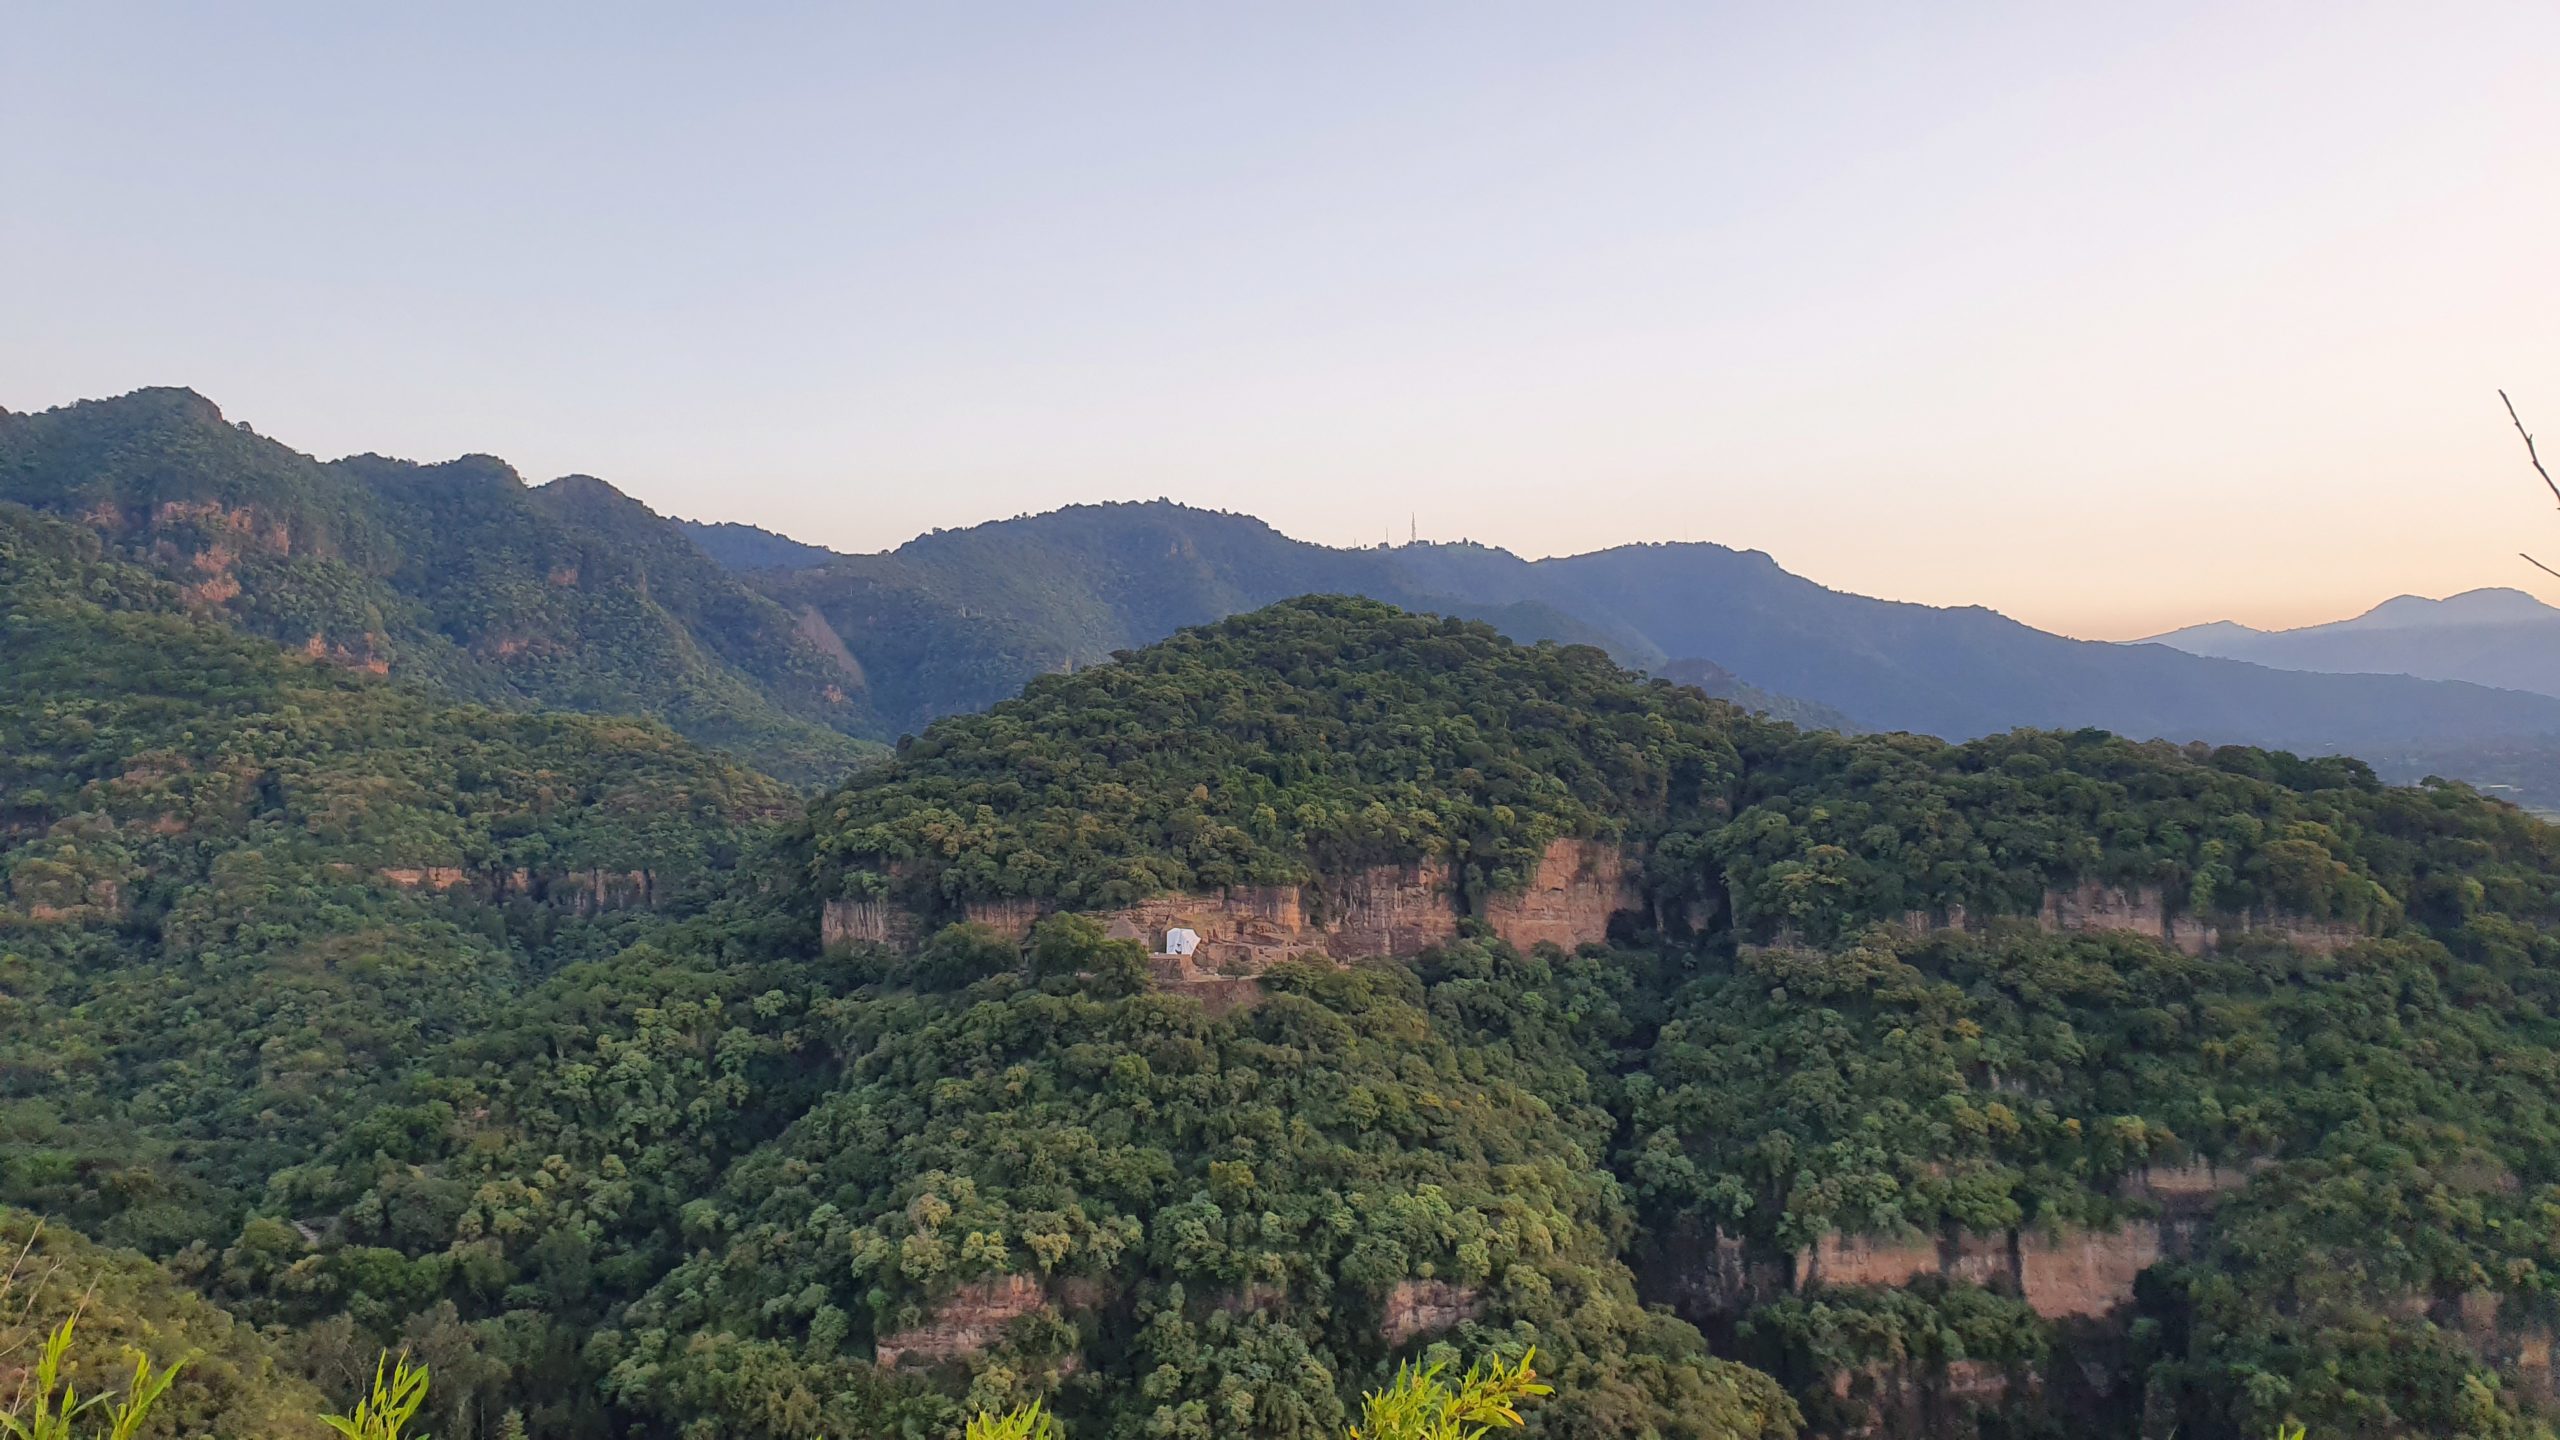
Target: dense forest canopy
2051, 1082
246, 889
457, 576
1315, 736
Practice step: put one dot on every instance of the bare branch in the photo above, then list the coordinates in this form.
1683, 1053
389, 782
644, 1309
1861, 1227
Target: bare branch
2535, 458
2538, 565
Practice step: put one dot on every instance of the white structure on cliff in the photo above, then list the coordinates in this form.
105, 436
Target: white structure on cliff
1179, 941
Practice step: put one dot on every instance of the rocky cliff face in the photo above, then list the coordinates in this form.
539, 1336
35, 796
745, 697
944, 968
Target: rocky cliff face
1578, 886
2061, 1273
865, 922
1425, 1307
965, 1324
1395, 911
1901, 1402
588, 892
2079, 1278
2144, 910
1569, 901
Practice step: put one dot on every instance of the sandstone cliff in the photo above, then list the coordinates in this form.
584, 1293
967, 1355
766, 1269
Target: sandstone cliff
2061, 1272
1425, 1307
2144, 910
1393, 911
971, 1320
588, 892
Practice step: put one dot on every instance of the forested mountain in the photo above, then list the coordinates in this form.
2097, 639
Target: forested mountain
455, 575
1765, 1080
2488, 637
959, 619
573, 596
954, 620
245, 888
358, 991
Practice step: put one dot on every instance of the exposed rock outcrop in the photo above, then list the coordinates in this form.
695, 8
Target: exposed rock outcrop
588, 892
2061, 1272
971, 1320
2520, 1349
1393, 911
1570, 899
1013, 918
865, 922
2091, 907
1425, 1307
1910, 1402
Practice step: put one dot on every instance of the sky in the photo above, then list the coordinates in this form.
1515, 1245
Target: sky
2112, 318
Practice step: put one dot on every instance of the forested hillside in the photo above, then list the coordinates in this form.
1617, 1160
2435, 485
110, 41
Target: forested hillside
2243, 1114
249, 899
1767, 1081
457, 576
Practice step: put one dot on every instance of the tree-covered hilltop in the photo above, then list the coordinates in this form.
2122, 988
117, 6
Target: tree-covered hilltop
1821, 1077
1325, 733
1314, 736
244, 892
458, 575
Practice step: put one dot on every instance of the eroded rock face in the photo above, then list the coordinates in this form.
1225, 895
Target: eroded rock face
1394, 911
1425, 1307
2144, 910
2062, 1273
1907, 1402
1010, 918
425, 877
588, 892
1243, 930
865, 922
1577, 888
2087, 1273
591, 891
1702, 1274
971, 1320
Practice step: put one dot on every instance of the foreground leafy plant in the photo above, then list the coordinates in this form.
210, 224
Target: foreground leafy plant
42, 1414
399, 1388
1420, 1405
1026, 1422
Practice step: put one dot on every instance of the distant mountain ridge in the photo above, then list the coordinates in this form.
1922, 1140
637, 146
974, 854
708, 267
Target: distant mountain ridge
2500, 636
968, 615
957, 620
570, 595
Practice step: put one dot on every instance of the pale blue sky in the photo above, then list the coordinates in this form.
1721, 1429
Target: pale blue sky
2112, 317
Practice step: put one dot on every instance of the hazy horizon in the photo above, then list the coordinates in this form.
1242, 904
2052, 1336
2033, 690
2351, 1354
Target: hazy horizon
2112, 324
